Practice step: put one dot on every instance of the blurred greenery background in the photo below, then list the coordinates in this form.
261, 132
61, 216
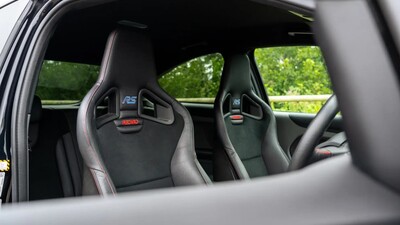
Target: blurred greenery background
286, 71
65, 81
293, 71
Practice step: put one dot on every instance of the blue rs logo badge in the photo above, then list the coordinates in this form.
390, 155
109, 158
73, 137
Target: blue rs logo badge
236, 101
129, 100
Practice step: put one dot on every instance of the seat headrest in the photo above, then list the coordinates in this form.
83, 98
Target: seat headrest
235, 92
128, 65
36, 110
236, 74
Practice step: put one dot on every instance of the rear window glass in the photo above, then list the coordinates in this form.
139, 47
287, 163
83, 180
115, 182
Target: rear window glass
65, 82
196, 80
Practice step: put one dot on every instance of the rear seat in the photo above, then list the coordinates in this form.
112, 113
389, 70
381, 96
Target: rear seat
55, 167
69, 161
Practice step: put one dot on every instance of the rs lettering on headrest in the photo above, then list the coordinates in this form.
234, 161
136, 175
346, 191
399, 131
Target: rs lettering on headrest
236, 101
129, 100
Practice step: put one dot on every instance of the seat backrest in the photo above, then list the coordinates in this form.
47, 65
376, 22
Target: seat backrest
46, 126
246, 127
53, 149
146, 139
69, 159
70, 165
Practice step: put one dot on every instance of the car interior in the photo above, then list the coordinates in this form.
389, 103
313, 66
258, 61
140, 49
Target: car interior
82, 155
128, 134
156, 157
246, 127
119, 147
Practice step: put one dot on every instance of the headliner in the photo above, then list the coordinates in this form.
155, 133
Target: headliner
180, 29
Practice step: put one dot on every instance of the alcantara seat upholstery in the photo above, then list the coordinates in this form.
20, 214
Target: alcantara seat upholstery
246, 127
146, 138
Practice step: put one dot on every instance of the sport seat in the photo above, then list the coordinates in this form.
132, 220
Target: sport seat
246, 127
145, 140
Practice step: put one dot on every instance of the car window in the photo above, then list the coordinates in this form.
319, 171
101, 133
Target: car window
65, 82
196, 80
294, 77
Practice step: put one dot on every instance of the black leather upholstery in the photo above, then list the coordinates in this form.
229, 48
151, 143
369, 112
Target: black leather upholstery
55, 161
70, 166
246, 127
45, 128
146, 139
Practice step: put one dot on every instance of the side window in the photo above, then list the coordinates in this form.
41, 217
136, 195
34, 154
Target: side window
65, 82
196, 80
295, 77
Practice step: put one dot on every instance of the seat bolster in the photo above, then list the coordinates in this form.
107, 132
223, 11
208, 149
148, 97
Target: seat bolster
70, 165
223, 169
185, 168
88, 145
275, 159
85, 128
227, 146
65, 175
89, 186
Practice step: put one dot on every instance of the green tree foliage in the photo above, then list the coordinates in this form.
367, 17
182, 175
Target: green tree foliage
293, 71
197, 78
285, 71
65, 81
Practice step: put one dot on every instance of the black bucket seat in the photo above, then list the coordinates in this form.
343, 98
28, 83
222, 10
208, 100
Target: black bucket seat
145, 140
246, 127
